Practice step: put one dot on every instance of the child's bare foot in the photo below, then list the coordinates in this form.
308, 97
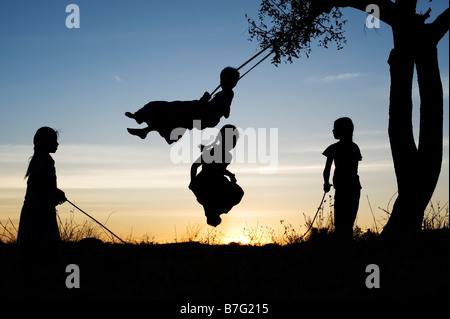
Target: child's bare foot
129, 114
142, 133
133, 116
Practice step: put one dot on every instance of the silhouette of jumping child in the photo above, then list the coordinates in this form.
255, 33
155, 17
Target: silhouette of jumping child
217, 193
345, 154
38, 234
164, 117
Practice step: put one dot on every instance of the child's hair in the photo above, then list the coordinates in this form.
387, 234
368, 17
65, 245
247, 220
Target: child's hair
229, 76
345, 126
43, 139
224, 133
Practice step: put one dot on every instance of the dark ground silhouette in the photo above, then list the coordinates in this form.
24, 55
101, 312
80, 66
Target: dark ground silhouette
316, 269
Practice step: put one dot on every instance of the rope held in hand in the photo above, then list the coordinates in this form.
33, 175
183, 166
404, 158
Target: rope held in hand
96, 221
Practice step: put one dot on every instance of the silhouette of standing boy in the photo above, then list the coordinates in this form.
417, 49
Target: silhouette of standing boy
345, 154
38, 234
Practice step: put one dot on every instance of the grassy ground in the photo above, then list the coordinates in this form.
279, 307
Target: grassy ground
291, 269
314, 269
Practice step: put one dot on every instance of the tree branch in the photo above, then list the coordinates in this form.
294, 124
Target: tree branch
440, 26
407, 6
387, 7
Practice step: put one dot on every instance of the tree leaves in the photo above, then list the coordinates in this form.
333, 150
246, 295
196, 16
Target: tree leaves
290, 26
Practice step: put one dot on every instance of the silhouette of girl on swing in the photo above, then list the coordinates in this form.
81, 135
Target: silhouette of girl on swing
164, 117
217, 193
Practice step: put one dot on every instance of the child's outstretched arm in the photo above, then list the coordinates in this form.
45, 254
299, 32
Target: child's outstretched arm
60, 196
231, 176
226, 112
205, 98
203, 101
326, 175
194, 169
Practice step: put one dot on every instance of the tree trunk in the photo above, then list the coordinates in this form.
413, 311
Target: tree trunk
417, 168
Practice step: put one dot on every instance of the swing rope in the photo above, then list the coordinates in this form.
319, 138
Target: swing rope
256, 64
307, 20
254, 57
95, 221
154, 258
247, 62
317, 212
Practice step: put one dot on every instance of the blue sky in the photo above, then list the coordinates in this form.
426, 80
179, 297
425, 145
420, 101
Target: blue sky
127, 53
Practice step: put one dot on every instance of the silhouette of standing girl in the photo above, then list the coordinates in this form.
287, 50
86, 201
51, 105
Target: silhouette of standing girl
213, 189
38, 234
345, 154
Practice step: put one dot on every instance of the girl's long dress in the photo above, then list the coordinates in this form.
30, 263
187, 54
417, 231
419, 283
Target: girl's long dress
38, 233
214, 191
172, 119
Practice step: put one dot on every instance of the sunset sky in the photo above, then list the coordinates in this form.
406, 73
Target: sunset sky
127, 53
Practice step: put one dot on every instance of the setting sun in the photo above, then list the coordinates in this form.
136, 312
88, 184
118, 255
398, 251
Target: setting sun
240, 240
